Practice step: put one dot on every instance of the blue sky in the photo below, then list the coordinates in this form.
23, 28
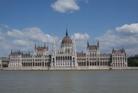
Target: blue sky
94, 17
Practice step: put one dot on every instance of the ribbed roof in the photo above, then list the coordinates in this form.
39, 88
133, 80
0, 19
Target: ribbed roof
66, 39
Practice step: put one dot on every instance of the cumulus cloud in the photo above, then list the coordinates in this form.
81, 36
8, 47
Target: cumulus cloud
125, 36
22, 42
15, 33
128, 28
63, 6
80, 40
33, 34
21, 39
80, 36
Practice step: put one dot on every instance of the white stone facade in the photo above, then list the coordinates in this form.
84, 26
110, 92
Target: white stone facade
15, 60
66, 57
0, 63
119, 58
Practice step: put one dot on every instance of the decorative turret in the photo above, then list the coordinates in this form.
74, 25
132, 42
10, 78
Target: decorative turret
87, 44
118, 51
113, 50
66, 32
98, 43
17, 52
11, 51
41, 50
92, 47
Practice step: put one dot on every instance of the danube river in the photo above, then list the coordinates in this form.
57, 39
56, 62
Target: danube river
116, 81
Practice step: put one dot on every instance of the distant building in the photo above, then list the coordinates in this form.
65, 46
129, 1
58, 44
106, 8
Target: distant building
15, 59
66, 57
119, 58
0, 63
40, 59
93, 59
4, 62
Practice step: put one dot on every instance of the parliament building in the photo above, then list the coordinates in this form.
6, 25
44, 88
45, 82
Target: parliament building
66, 57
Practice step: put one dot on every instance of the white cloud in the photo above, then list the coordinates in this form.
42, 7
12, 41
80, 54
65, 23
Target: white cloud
80, 40
125, 36
128, 28
34, 34
22, 42
80, 36
21, 39
63, 6
15, 33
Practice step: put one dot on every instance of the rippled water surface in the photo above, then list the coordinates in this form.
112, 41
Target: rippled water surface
125, 81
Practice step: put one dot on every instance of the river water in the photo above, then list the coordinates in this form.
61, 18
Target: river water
116, 81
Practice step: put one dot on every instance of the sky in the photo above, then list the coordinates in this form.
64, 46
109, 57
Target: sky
113, 22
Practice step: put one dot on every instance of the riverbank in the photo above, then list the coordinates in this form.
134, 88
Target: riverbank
68, 69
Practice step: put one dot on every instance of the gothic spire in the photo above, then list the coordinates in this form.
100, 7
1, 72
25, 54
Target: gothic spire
35, 45
66, 31
98, 43
113, 50
87, 44
11, 51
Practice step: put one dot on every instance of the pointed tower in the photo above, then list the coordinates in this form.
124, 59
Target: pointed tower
67, 32
113, 50
11, 51
87, 44
98, 44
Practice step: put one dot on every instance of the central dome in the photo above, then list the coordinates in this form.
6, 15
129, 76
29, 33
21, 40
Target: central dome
66, 40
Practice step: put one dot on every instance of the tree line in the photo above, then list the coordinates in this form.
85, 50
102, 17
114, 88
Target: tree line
133, 61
